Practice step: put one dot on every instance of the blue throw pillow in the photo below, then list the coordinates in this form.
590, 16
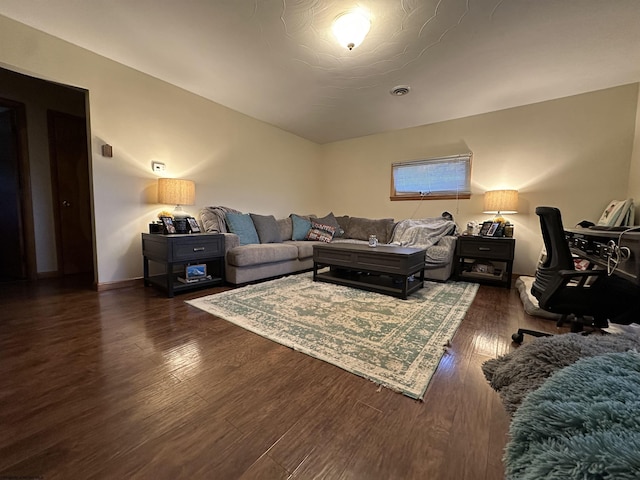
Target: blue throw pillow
301, 227
242, 225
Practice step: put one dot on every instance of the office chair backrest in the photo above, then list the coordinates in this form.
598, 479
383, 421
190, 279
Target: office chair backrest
558, 255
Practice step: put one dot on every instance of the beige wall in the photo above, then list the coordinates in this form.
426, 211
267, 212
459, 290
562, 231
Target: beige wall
235, 160
573, 153
634, 172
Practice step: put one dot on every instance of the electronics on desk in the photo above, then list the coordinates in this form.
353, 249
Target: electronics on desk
602, 250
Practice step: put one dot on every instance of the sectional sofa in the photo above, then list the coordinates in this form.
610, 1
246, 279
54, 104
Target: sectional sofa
259, 247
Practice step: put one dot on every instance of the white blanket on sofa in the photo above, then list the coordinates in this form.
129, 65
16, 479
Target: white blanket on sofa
422, 233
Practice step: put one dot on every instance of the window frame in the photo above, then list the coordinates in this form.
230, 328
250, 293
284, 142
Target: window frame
439, 195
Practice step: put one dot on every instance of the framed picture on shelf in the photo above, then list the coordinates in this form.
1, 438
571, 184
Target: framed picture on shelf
493, 229
484, 230
195, 271
167, 223
193, 225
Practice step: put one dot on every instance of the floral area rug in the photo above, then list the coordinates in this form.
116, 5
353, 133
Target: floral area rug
395, 343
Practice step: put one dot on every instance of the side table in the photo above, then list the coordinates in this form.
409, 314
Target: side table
175, 252
485, 259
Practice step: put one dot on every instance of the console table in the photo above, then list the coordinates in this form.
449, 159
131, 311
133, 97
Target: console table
175, 252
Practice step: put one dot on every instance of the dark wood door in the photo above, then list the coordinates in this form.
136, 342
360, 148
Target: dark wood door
71, 192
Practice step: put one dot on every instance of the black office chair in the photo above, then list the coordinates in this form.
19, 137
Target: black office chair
560, 288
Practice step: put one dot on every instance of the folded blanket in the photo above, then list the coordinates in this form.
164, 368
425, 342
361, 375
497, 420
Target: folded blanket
213, 218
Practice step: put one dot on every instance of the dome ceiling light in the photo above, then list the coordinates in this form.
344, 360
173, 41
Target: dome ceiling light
350, 28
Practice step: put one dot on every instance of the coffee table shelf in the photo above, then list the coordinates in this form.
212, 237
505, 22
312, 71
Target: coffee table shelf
390, 270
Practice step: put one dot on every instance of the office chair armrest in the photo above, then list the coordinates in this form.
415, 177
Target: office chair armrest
581, 273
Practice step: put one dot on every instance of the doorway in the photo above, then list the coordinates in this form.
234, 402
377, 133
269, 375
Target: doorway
44, 127
17, 250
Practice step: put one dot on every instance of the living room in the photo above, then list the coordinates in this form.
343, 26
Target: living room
576, 152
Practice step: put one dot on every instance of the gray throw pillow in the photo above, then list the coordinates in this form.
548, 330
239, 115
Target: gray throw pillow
343, 221
286, 228
267, 228
331, 220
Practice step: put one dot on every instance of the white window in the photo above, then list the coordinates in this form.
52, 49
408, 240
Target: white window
434, 178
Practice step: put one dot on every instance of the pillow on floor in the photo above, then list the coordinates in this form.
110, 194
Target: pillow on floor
529, 302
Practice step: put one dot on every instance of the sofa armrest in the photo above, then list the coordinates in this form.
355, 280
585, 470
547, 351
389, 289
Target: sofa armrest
443, 252
448, 241
231, 240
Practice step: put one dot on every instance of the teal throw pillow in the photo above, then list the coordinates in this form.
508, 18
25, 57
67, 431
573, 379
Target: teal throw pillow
242, 225
301, 227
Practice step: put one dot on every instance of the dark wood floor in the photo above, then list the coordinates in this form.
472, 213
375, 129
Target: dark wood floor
129, 384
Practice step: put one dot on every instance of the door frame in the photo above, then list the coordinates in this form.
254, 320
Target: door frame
27, 234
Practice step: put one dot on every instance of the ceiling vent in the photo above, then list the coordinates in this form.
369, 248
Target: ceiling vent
400, 90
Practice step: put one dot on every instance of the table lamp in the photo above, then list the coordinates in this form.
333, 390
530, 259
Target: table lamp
177, 192
499, 202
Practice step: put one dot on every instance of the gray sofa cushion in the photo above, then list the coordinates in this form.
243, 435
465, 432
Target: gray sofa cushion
361, 228
247, 255
285, 225
305, 248
267, 228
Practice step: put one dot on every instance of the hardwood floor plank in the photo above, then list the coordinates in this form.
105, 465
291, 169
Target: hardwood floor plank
127, 383
331, 461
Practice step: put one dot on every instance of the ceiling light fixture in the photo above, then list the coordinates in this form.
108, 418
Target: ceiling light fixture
400, 90
351, 28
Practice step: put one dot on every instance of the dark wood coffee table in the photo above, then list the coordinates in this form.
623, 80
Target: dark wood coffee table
383, 269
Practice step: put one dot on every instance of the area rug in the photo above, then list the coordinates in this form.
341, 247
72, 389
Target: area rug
518, 373
581, 424
395, 343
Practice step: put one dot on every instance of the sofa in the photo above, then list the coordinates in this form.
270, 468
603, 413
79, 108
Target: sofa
259, 247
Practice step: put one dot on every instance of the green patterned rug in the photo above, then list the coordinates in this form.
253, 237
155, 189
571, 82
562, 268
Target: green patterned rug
395, 343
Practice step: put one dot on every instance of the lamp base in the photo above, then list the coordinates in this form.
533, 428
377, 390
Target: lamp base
178, 212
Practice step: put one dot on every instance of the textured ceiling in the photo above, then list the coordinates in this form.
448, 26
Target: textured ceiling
277, 60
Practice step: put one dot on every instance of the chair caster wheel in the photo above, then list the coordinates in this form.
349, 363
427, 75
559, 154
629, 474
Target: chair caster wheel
517, 338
